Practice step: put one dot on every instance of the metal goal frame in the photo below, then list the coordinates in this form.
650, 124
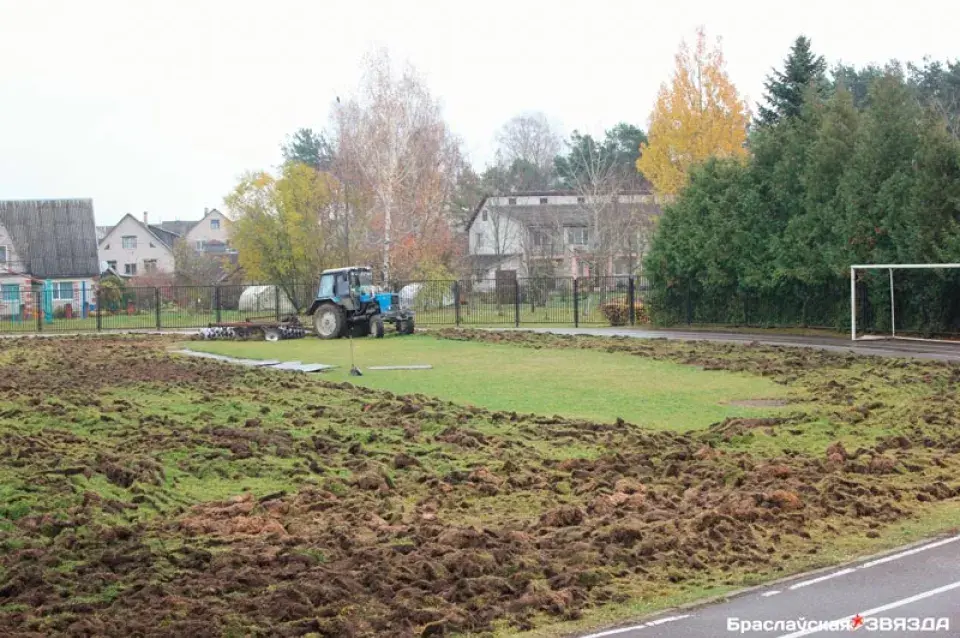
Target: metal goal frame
893, 317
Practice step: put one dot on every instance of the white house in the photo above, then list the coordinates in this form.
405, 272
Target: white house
554, 234
211, 231
134, 247
46, 243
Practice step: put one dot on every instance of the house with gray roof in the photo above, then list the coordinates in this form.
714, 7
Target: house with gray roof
559, 234
137, 247
45, 241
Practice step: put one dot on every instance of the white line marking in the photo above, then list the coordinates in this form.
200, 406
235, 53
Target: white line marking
814, 581
660, 621
652, 623
909, 552
842, 572
877, 610
874, 563
614, 632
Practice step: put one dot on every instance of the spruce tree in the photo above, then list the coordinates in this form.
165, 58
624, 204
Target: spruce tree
785, 90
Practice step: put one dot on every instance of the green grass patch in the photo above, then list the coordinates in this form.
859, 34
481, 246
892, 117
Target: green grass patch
582, 384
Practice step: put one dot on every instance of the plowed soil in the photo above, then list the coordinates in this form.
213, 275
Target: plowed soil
143, 494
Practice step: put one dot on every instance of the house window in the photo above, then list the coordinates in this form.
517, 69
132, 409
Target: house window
11, 293
577, 236
543, 200
130, 242
130, 269
63, 290
484, 215
149, 265
479, 241
512, 201
201, 244
112, 265
214, 224
3, 254
540, 238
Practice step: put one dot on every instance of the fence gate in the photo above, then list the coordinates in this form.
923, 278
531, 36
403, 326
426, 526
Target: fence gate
506, 286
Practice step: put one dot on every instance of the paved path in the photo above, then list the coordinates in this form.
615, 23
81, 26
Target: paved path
939, 350
921, 582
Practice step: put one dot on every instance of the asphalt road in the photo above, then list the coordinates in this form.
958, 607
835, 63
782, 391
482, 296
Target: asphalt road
921, 582
938, 350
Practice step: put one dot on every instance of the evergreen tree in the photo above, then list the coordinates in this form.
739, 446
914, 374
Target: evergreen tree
809, 248
310, 148
786, 89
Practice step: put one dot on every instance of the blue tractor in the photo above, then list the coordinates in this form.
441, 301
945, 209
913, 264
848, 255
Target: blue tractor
346, 304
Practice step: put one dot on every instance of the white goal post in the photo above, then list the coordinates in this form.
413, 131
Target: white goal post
890, 268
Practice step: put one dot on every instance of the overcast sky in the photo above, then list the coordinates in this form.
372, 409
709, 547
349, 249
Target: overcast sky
160, 105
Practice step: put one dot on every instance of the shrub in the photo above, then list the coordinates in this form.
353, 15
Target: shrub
618, 312
111, 293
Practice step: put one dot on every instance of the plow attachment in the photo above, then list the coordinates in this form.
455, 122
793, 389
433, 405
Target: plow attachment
253, 330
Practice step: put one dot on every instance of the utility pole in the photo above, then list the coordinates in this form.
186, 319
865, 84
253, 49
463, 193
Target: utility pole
346, 221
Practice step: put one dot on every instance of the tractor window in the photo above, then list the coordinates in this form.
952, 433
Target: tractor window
365, 277
326, 286
343, 285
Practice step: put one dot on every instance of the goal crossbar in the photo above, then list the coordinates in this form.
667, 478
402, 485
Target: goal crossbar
890, 268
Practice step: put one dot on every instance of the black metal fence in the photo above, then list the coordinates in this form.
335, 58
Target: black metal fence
76, 307
85, 307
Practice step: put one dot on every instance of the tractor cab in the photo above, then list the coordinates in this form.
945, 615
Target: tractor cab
350, 287
348, 302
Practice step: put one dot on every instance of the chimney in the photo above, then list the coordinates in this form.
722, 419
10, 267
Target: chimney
145, 218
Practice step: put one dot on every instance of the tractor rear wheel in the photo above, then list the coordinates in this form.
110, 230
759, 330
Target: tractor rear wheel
328, 321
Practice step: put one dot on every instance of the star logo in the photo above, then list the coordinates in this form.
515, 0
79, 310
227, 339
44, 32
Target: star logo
857, 622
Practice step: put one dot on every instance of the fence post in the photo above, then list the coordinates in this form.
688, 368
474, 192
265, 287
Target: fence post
516, 302
156, 305
631, 298
216, 300
276, 300
456, 301
576, 302
38, 297
96, 296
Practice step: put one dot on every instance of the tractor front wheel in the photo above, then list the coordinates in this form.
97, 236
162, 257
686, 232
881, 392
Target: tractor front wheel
405, 326
328, 321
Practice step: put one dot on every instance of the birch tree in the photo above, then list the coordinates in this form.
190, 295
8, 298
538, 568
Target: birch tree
393, 134
596, 172
527, 145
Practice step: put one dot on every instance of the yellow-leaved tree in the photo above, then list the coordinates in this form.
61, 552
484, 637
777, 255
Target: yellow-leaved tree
283, 229
697, 116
